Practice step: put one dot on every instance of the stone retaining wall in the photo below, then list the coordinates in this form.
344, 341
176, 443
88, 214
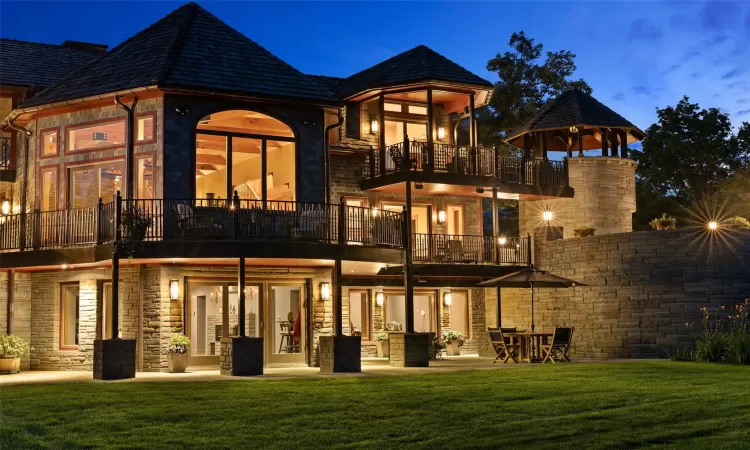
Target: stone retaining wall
642, 289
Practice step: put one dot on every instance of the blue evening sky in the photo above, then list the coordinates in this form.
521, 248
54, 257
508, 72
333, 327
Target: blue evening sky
635, 55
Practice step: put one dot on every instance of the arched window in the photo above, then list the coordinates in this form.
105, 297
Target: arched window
244, 151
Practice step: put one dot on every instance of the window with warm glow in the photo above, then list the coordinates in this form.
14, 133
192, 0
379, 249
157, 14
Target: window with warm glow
48, 194
459, 310
144, 177
69, 300
421, 110
392, 107
144, 130
101, 135
358, 315
86, 184
49, 142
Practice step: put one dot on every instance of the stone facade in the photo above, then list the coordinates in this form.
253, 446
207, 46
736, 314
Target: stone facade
604, 199
643, 288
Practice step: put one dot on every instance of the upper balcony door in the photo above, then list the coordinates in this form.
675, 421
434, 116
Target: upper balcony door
396, 131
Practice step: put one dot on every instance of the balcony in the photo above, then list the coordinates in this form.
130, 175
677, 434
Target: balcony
438, 165
465, 249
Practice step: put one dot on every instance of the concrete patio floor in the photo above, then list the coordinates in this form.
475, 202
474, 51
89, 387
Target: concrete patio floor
370, 367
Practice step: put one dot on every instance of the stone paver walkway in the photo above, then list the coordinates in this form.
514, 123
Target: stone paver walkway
370, 367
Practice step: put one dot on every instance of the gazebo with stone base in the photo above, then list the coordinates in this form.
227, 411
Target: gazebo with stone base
604, 183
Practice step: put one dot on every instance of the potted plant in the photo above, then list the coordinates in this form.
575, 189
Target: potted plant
453, 342
584, 231
664, 222
135, 224
178, 353
437, 345
12, 349
381, 342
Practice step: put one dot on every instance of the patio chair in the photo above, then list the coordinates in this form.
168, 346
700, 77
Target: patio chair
190, 225
559, 347
504, 345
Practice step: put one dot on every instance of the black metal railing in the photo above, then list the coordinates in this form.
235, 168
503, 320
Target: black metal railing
447, 248
5, 162
201, 219
464, 160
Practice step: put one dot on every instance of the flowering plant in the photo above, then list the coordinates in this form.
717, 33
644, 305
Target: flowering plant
381, 336
179, 344
450, 336
725, 334
12, 346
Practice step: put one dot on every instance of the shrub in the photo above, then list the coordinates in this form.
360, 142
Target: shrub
381, 336
12, 346
664, 222
737, 222
682, 354
726, 335
450, 336
584, 232
179, 344
437, 344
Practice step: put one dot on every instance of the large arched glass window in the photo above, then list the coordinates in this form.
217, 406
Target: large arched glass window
244, 151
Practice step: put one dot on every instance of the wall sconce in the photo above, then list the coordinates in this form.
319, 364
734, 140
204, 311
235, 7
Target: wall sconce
374, 211
547, 216
441, 216
174, 290
713, 225
379, 299
374, 127
325, 291
502, 240
418, 186
441, 133
5, 208
447, 299
480, 190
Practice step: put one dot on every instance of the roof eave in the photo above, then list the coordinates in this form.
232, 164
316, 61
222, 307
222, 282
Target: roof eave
229, 94
416, 83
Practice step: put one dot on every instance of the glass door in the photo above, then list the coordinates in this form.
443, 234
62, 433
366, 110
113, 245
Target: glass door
205, 325
285, 334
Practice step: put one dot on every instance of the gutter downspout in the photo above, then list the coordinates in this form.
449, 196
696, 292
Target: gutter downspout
129, 147
25, 184
327, 159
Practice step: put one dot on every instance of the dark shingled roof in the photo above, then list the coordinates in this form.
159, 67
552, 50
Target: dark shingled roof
416, 65
573, 108
188, 48
25, 63
326, 82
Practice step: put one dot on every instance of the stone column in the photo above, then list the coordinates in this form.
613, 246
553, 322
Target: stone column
409, 349
340, 354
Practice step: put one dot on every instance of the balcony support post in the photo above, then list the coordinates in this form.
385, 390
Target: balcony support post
10, 294
613, 142
116, 268
99, 221
264, 172
372, 162
580, 142
381, 132
236, 216
544, 145
430, 138
408, 275
605, 139
623, 144
241, 295
473, 136
495, 226
129, 144
499, 317
337, 298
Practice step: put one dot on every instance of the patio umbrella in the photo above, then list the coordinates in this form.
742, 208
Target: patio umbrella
530, 278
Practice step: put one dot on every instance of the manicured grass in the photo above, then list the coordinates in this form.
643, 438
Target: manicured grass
583, 406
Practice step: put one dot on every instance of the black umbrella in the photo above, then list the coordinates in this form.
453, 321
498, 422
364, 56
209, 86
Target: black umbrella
530, 278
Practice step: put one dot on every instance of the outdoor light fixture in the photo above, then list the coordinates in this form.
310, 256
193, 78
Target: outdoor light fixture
374, 127
418, 186
480, 190
379, 299
174, 290
325, 290
547, 216
374, 211
64, 266
447, 298
502, 240
713, 225
5, 209
441, 216
441, 133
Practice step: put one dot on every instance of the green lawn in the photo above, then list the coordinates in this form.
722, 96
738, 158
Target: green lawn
552, 406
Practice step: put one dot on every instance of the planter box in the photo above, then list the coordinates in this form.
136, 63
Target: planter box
383, 348
177, 362
452, 348
10, 365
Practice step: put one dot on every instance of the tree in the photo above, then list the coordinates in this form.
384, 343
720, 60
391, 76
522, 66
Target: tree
688, 152
525, 84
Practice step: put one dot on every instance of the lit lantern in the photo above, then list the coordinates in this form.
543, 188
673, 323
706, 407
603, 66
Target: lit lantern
174, 290
447, 299
5, 209
502, 240
374, 212
547, 216
325, 290
379, 299
441, 216
374, 127
713, 225
441, 133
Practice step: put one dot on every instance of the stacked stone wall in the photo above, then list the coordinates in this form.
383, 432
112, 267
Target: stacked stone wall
642, 289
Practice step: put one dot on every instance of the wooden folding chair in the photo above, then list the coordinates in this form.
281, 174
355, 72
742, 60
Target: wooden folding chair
559, 348
504, 346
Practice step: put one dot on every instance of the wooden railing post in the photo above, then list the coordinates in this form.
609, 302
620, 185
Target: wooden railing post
530, 260
118, 217
236, 216
99, 206
342, 221
523, 170
22, 230
36, 235
406, 163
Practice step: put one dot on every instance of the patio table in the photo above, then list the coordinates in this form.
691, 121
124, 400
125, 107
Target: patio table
531, 344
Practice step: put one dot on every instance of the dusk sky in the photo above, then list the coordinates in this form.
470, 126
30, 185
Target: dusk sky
635, 55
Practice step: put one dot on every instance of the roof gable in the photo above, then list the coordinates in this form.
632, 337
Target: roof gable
418, 64
189, 47
24, 63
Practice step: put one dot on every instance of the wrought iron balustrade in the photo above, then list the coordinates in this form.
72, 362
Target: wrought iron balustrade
448, 248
